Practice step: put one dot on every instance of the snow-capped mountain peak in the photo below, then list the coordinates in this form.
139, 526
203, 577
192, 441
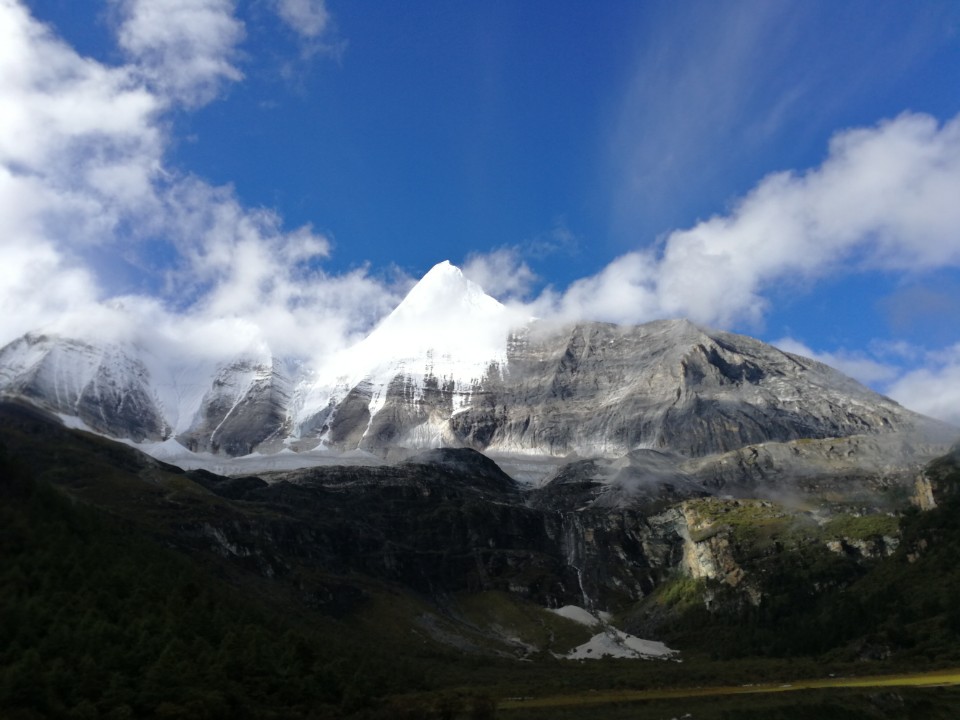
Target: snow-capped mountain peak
103, 386
444, 293
444, 315
447, 331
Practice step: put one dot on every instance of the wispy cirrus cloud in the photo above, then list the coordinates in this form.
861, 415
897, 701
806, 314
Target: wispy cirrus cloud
308, 18
717, 89
857, 364
922, 380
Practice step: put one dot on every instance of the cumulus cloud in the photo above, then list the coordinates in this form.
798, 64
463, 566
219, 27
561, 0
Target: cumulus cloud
185, 49
83, 178
502, 273
934, 389
885, 198
69, 130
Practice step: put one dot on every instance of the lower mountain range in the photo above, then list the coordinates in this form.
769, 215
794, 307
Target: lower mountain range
132, 588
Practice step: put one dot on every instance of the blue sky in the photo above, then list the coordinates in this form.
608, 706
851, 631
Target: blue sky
784, 169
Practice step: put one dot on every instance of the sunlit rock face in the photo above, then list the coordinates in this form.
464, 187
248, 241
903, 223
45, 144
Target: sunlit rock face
453, 367
598, 389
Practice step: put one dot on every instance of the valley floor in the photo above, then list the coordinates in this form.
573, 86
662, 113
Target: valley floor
936, 678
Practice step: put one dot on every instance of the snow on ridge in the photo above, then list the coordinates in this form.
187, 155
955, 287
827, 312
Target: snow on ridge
446, 324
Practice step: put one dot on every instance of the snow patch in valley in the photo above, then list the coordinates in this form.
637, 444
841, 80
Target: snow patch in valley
578, 615
618, 644
610, 641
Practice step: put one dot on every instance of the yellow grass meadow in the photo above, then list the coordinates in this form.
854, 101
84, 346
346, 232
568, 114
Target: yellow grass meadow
937, 678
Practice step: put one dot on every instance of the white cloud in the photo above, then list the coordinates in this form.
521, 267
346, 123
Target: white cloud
82, 149
623, 292
501, 273
184, 49
68, 124
933, 390
885, 198
308, 18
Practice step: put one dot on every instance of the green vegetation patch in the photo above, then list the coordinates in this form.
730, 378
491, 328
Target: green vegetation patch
751, 522
862, 527
680, 592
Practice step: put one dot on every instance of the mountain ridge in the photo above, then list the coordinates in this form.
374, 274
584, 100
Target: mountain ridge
453, 367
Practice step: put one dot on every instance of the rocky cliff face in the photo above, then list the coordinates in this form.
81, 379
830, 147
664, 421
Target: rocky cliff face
451, 521
842, 467
939, 481
598, 389
444, 522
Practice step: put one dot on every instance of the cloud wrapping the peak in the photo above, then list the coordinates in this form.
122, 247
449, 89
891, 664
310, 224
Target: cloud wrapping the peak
884, 198
501, 273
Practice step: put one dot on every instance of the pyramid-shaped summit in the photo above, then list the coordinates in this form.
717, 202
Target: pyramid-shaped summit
444, 293
420, 365
446, 322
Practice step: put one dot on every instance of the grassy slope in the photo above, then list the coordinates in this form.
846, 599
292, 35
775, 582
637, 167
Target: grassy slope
901, 609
